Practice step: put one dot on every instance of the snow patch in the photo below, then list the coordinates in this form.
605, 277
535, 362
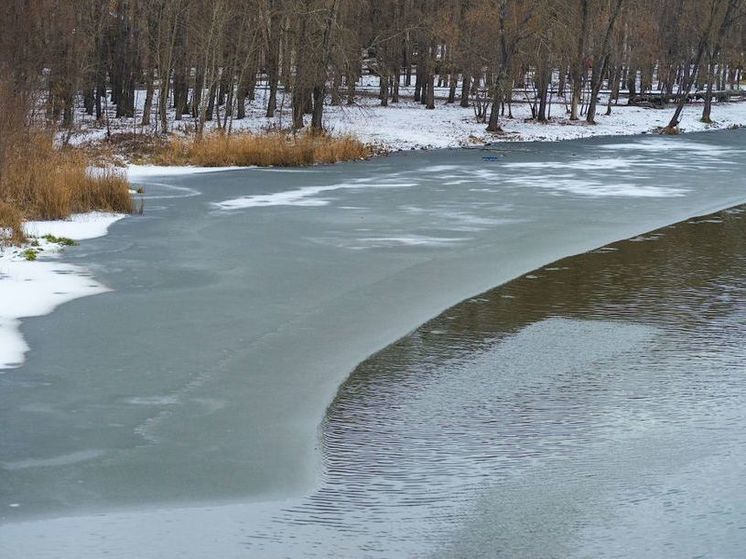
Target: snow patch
299, 196
407, 240
36, 288
78, 227
600, 164
140, 172
62, 460
581, 187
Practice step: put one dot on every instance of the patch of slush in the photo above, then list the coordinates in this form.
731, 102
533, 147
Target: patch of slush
62, 460
600, 164
440, 169
408, 240
168, 400
36, 288
581, 187
304, 196
588, 188
669, 144
569, 182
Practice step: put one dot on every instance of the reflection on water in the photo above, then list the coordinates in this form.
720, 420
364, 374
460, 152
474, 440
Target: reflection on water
585, 409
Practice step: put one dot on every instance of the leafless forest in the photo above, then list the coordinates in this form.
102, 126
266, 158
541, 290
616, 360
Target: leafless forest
205, 57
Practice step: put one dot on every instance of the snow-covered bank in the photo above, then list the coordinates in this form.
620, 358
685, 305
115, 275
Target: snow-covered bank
35, 287
409, 125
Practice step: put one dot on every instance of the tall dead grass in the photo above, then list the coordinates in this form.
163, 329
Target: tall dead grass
268, 149
42, 182
11, 225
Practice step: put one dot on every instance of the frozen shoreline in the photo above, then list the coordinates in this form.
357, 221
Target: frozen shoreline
408, 125
449, 126
35, 288
30, 288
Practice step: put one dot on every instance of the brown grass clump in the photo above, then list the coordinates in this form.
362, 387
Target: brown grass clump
669, 131
45, 183
270, 149
11, 225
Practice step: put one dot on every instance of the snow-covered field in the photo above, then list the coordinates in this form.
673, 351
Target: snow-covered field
408, 125
36, 287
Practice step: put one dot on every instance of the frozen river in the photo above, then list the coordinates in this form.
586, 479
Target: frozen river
191, 411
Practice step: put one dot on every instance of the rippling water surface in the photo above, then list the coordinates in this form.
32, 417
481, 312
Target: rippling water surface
593, 408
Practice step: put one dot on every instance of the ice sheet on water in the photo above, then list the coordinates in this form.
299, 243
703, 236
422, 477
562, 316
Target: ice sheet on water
601, 164
586, 187
392, 241
304, 196
61, 460
36, 288
669, 144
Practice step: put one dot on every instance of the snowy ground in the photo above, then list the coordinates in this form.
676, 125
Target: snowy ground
408, 125
36, 287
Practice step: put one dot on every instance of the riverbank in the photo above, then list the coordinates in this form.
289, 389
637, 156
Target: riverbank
408, 125
33, 282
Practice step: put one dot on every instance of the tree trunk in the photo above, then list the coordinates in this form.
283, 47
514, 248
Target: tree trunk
199, 86
319, 88
418, 82
453, 82
318, 108
428, 98
631, 86
707, 110
336, 84
599, 69
163, 100
578, 68
395, 89
545, 77
689, 80
148, 107
614, 94
299, 96
271, 35
465, 90
351, 82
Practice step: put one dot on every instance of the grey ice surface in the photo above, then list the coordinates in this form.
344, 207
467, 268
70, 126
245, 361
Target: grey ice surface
165, 418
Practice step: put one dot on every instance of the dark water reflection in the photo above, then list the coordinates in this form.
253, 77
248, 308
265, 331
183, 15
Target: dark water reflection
591, 408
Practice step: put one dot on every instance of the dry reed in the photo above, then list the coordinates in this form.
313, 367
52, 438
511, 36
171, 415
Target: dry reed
11, 225
46, 183
270, 149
